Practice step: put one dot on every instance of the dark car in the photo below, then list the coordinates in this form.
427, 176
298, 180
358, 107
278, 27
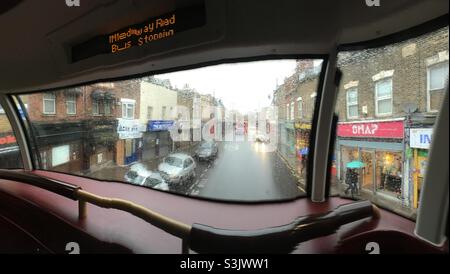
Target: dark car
207, 151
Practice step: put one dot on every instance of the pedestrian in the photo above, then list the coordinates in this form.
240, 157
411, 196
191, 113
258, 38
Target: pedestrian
303, 163
351, 178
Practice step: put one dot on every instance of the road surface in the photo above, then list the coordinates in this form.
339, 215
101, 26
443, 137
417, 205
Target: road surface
243, 171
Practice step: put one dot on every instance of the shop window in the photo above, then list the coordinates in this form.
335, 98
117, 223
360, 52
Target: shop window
389, 173
71, 104
49, 103
348, 155
352, 103
383, 97
437, 77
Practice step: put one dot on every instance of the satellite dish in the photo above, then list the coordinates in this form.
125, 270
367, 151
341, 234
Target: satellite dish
410, 108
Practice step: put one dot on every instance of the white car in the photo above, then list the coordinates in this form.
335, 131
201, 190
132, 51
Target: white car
151, 179
177, 169
262, 138
131, 174
139, 175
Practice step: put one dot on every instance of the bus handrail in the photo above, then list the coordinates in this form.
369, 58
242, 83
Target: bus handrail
202, 238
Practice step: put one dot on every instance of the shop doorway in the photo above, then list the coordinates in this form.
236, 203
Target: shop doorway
368, 171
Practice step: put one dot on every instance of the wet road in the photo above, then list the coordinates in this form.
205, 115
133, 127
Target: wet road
244, 171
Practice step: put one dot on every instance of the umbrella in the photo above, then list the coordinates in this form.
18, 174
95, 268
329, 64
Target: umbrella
304, 151
355, 164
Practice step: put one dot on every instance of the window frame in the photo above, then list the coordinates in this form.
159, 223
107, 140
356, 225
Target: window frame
47, 99
292, 111
107, 105
348, 105
429, 90
97, 104
300, 107
73, 100
125, 108
377, 99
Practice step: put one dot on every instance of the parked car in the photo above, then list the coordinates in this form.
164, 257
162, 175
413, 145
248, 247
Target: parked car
131, 174
177, 169
207, 151
262, 138
151, 179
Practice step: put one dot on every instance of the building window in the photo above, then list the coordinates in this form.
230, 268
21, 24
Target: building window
71, 104
95, 107
49, 103
437, 76
107, 107
287, 112
383, 97
128, 110
352, 103
149, 113
292, 111
300, 107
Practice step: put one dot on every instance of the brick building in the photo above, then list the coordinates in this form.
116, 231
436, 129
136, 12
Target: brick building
96, 122
295, 100
388, 100
387, 105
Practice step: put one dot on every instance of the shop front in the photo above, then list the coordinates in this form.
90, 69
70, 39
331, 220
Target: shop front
129, 146
100, 146
157, 139
375, 151
419, 144
302, 135
9, 150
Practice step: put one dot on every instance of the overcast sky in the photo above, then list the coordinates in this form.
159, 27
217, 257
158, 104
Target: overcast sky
241, 86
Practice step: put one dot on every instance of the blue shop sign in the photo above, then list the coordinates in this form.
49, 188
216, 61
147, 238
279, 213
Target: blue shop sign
159, 125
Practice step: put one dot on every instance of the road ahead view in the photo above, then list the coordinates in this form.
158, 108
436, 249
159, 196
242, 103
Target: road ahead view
235, 132
244, 171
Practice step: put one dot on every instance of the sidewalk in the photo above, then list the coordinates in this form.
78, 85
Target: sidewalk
293, 165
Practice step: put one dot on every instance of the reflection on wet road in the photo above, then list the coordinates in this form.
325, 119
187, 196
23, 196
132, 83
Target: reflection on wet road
245, 171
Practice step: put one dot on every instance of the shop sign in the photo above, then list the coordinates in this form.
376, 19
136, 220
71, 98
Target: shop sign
302, 126
7, 140
129, 129
159, 125
393, 129
420, 137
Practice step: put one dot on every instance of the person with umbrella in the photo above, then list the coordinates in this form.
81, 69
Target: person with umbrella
352, 175
304, 154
